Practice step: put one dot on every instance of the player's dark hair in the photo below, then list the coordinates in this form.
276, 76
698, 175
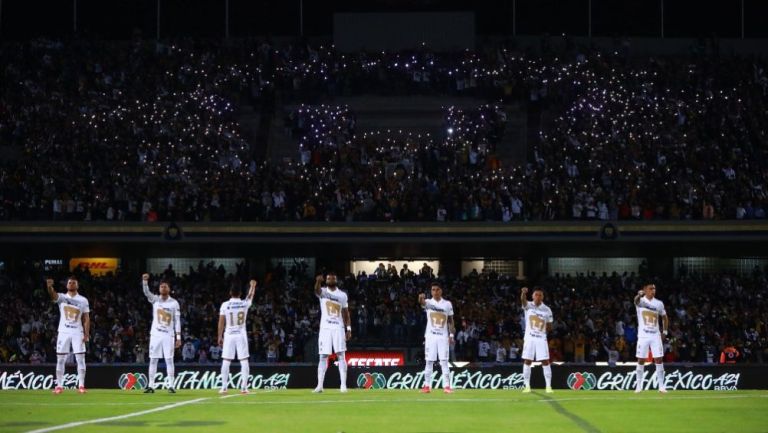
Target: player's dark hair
436, 283
164, 281
538, 289
330, 273
234, 290
72, 277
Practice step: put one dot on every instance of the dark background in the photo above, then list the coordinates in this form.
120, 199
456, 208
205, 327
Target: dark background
122, 19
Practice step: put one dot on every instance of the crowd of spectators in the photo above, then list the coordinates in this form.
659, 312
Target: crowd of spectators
595, 318
139, 131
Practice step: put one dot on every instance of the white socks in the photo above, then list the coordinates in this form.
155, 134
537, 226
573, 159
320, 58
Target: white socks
245, 373
446, 374
639, 373
428, 374
171, 370
660, 377
152, 371
342, 368
225, 374
80, 358
60, 360
548, 374
527, 375
322, 365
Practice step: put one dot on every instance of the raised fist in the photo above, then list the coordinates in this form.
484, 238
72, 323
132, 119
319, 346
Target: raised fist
319, 279
49, 282
254, 283
524, 290
641, 292
422, 297
145, 277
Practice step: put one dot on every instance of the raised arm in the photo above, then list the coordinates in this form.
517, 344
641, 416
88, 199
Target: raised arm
640, 294
524, 297
145, 286
319, 285
49, 285
252, 290
422, 300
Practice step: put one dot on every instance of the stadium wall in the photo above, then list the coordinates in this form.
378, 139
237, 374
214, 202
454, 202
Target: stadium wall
575, 377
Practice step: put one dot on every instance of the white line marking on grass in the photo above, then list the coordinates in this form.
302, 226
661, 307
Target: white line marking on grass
118, 417
491, 400
229, 396
127, 403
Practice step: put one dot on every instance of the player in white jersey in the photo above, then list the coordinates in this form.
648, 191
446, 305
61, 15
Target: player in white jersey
165, 335
233, 336
538, 321
74, 331
649, 310
438, 336
334, 320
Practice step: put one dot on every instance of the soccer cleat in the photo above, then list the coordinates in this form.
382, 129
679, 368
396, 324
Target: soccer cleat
549, 390
527, 390
638, 391
244, 391
448, 390
317, 390
223, 391
171, 391
149, 390
663, 391
58, 390
81, 389
343, 389
425, 390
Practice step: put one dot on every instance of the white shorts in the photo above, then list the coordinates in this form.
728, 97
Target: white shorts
535, 349
64, 342
331, 341
652, 343
235, 345
436, 347
161, 346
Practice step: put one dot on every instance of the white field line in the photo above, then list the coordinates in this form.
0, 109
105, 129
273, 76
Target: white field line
118, 417
491, 400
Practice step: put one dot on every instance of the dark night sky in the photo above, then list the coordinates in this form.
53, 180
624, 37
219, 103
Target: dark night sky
116, 19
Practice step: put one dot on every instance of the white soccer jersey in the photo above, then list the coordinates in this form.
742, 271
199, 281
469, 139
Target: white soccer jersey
72, 309
648, 313
331, 304
235, 312
166, 314
438, 313
536, 319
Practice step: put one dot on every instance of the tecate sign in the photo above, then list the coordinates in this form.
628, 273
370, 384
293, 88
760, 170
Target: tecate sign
673, 379
374, 359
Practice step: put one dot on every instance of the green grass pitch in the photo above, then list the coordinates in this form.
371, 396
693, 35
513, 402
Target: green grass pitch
382, 411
